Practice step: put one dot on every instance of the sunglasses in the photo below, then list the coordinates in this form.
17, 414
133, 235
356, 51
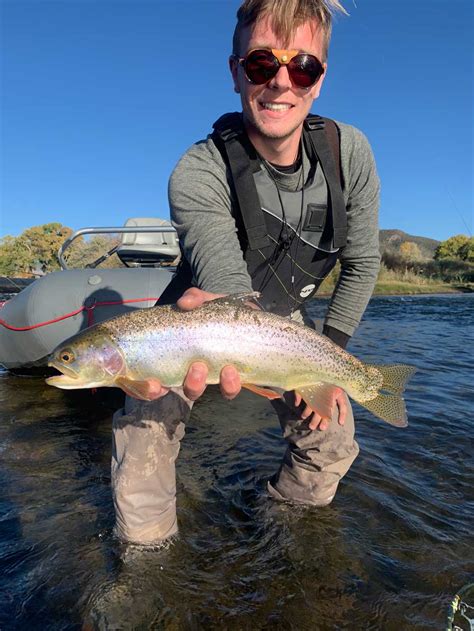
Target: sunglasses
262, 64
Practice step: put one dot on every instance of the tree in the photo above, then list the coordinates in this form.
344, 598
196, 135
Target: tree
38, 247
92, 249
452, 247
410, 251
43, 242
466, 251
35, 247
13, 258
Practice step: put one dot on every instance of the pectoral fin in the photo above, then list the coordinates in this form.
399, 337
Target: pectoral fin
319, 397
136, 389
263, 392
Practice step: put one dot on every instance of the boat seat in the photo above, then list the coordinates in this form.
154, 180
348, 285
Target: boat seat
148, 249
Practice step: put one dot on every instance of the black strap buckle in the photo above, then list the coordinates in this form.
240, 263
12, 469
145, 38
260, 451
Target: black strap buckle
228, 126
313, 122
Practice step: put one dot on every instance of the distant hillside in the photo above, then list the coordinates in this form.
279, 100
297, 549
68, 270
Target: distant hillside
391, 240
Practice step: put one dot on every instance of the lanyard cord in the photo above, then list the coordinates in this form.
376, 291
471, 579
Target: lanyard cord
287, 240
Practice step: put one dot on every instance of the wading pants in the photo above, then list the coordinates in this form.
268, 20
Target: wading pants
146, 440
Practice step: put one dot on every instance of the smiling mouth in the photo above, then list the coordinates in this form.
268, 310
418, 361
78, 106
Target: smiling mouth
276, 107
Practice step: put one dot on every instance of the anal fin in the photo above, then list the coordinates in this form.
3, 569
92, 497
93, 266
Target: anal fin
319, 397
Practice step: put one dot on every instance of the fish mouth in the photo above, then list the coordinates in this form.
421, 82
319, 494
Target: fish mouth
65, 370
68, 379
64, 382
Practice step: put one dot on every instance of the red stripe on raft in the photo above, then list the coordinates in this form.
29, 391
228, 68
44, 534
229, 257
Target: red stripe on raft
73, 313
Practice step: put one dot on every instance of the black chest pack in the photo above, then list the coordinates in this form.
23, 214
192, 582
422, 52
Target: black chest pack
290, 240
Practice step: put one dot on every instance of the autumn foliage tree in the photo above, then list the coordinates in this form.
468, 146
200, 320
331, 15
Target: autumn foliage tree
37, 248
410, 251
466, 251
42, 244
90, 250
457, 247
13, 259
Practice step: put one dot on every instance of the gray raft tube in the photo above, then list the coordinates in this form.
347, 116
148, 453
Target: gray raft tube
60, 304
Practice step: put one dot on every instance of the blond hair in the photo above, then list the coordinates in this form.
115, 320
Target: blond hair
286, 16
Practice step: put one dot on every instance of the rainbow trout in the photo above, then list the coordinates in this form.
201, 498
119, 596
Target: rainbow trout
272, 354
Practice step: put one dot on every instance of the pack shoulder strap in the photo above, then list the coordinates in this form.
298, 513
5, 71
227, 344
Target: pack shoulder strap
241, 157
323, 135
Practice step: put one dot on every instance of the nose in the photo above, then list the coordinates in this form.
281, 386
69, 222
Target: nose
281, 81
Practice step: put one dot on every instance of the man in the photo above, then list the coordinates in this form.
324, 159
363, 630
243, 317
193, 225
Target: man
265, 203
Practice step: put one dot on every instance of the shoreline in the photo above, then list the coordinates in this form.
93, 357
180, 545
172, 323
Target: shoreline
402, 287
409, 289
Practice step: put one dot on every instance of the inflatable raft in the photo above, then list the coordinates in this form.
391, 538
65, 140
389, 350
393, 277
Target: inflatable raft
60, 304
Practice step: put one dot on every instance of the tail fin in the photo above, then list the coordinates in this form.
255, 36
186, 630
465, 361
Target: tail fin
391, 407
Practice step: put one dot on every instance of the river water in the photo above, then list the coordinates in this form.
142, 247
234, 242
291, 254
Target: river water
388, 554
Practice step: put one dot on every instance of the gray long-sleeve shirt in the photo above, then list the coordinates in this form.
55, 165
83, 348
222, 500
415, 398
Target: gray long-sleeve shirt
203, 208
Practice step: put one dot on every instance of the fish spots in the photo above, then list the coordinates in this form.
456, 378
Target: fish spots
237, 315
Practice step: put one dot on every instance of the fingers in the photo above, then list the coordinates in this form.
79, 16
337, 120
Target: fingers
230, 382
195, 381
306, 413
342, 405
193, 386
155, 390
149, 390
317, 422
194, 298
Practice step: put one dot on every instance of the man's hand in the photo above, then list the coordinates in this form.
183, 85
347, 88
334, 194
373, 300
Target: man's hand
318, 422
194, 298
195, 380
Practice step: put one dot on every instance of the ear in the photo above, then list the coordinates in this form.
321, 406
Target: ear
234, 71
316, 89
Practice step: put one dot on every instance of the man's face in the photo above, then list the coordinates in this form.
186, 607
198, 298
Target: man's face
277, 108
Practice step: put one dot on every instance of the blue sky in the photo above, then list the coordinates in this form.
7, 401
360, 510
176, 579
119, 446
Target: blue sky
100, 98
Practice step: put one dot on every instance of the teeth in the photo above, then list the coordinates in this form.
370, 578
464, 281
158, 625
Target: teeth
276, 107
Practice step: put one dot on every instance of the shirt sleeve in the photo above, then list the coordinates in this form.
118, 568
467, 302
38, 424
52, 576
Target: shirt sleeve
360, 259
200, 206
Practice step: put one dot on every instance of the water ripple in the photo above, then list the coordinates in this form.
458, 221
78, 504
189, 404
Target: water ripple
389, 553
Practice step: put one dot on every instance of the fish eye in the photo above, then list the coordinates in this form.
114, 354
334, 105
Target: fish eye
66, 356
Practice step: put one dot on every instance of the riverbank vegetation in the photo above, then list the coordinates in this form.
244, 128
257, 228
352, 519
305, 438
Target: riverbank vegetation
410, 264
35, 251
410, 268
